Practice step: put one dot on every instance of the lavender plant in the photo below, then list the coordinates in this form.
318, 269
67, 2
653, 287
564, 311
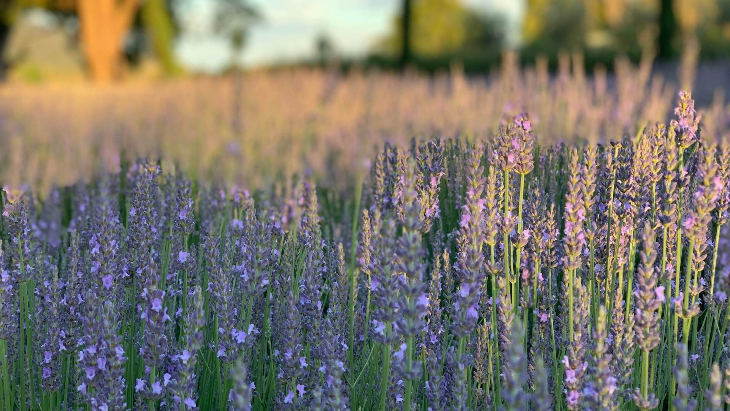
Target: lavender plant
519, 277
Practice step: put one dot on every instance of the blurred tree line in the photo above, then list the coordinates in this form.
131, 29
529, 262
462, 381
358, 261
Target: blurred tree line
620, 25
104, 28
435, 32
429, 34
437, 27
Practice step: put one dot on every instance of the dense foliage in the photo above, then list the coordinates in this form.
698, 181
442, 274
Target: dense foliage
459, 275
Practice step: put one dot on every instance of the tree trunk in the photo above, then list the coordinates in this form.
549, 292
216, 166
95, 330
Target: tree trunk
667, 27
4, 36
104, 25
406, 46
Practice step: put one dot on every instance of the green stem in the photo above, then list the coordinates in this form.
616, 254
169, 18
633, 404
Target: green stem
22, 363
409, 365
645, 374
688, 272
518, 251
6, 374
66, 377
385, 375
714, 262
151, 403
570, 304
495, 295
677, 266
506, 244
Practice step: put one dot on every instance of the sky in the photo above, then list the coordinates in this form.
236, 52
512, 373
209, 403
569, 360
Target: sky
290, 28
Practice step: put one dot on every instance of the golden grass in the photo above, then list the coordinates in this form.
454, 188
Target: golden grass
265, 126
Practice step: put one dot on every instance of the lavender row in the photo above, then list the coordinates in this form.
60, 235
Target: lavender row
457, 275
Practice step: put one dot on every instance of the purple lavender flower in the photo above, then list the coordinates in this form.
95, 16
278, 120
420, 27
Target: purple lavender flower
143, 233
184, 384
687, 122
47, 229
239, 398
470, 271
49, 315
154, 318
411, 284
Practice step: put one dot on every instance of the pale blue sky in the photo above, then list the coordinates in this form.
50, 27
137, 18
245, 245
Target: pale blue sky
290, 27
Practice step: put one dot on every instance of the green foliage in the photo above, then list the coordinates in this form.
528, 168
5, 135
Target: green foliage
443, 26
160, 28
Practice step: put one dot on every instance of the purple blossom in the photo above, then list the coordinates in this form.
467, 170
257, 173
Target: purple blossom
182, 256
185, 356
90, 372
573, 397
378, 327
107, 281
401, 352
157, 304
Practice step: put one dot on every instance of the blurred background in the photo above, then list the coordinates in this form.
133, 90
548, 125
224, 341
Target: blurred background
252, 91
111, 40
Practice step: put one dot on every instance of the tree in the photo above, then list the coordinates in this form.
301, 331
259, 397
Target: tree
405, 55
104, 25
160, 28
233, 19
667, 28
324, 48
439, 27
534, 21
9, 11
5, 25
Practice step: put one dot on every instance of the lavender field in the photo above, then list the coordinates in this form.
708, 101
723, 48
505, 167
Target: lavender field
397, 243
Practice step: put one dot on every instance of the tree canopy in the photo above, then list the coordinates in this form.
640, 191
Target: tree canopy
443, 26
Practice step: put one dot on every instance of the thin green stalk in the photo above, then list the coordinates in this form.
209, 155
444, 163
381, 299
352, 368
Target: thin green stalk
217, 365
153, 375
518, 251
645, 373
22, 362
6, 374
184, 296
591, 281
367, 312
409, 365
630, 279
351, 308
685, 304
66, 378
570, 303
385, 375
506, 242
714, 261
678, 265
495, 337
351, 271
